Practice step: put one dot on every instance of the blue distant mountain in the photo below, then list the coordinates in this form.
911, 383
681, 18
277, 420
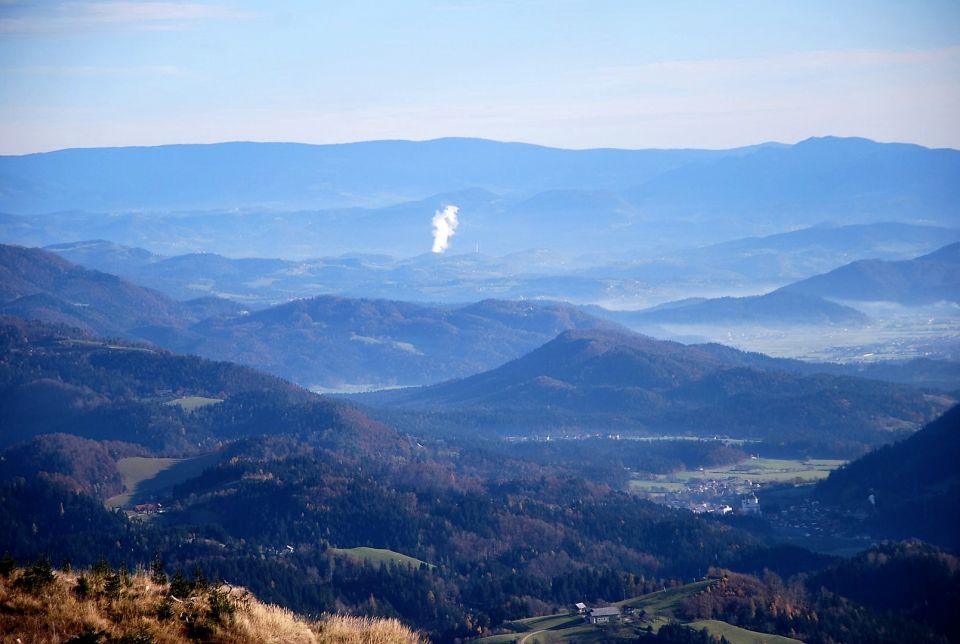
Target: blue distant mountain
855, 179
287, 176
777, 308
845, 179
931, 278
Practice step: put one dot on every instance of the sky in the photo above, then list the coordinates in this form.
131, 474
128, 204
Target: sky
564, 73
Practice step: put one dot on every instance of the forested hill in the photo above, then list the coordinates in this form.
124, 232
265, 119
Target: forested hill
56, 379
40, 285
914, 484
611, 380
326, 341
334, 341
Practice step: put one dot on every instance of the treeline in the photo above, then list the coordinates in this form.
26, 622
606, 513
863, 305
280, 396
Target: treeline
898, 592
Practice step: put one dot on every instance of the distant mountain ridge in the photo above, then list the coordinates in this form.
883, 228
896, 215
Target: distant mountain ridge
379, 196
290, 176
341, 342
765, 262
778, 307
923, 280
334, 342
34, 281
326, 341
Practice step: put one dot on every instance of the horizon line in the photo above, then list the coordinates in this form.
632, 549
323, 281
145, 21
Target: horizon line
467, 138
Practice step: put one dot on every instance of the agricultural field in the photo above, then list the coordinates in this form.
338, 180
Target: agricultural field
737, 635
191, 403
657, 609
704, 489
376, 556
145, 477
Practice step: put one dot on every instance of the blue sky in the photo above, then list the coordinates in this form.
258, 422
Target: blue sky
563, 72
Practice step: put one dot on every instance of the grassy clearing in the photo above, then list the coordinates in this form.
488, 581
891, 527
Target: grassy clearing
376, 556
770, 470
546, 622
664, 602
737, 635
660, 608
144, 477
659, 484
568, 627
775, 470
191, 403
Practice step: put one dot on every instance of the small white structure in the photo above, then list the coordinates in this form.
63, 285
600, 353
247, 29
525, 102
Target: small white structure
580, 607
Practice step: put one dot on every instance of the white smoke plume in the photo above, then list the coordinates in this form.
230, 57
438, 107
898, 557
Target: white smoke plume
444, 227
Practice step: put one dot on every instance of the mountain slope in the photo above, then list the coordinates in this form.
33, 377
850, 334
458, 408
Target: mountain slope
588, 380
915, 484
336, 342
841, 179
923, 280
778, 307
54, 379
330, 342
38, 284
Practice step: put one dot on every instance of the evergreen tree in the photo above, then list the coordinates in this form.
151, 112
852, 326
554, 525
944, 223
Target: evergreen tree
157, 575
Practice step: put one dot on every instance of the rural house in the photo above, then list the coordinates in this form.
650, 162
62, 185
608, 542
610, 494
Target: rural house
603, 615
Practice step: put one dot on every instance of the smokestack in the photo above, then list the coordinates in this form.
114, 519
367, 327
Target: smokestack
444, 227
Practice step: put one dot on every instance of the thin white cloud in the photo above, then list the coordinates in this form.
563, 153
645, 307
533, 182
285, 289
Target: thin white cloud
724, 70
71, 17
96, 71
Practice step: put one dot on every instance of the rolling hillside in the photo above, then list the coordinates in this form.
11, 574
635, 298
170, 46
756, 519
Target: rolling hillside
54, 379
612, 380
924, 280
37, 284
329, 342
338, 342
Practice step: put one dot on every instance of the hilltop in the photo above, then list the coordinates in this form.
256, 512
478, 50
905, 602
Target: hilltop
107, 606
923, 280
606, 380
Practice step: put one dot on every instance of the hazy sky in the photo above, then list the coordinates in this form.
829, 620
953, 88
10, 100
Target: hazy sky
566, 73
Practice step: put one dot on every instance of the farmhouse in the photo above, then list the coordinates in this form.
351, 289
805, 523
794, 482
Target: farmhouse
580, 607
603, 615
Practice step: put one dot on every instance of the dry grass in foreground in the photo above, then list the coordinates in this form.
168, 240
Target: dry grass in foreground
41, 606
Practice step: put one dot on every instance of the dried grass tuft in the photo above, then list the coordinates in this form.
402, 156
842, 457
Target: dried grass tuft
54, 615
